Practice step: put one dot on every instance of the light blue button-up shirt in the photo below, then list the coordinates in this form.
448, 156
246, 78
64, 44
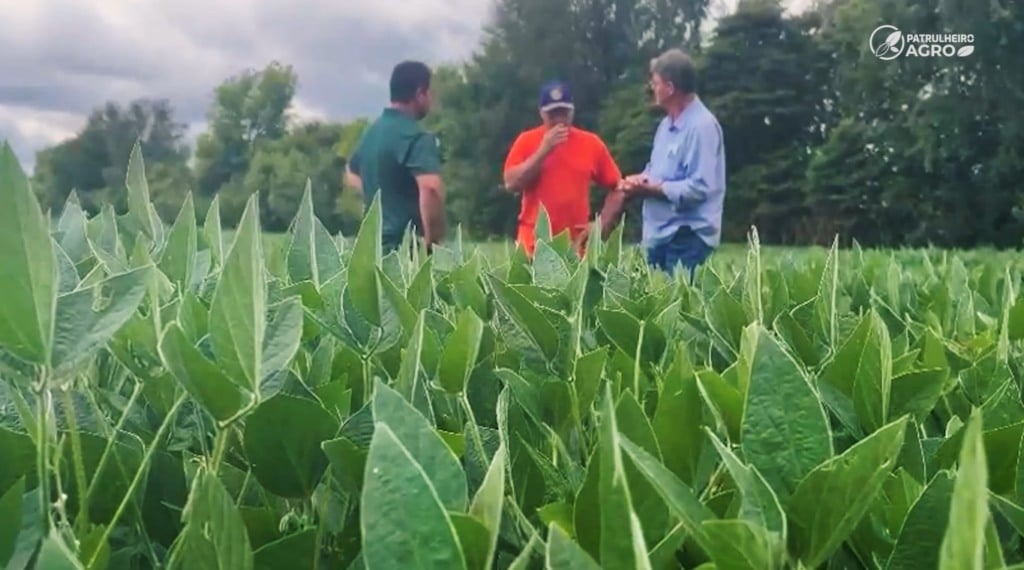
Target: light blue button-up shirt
688, 157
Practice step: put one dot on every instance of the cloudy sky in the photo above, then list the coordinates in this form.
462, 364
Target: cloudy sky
176, 49
342, 54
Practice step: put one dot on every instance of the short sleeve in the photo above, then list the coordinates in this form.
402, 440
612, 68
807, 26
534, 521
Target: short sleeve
608, 173
518, 154
355, 161
424, 155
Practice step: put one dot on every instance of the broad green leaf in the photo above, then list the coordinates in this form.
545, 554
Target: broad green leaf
312, 254
282, 442
212, 231
831, 500
139, 202
348, 462
619, 548
204, 380
404, 523
423, 444
363, 264
293, 551
920, 537
488, 501
87, 319
738, 545
55, 554
238, 319
785, 432
528, 317
19, 453
677, 420
963, 545
461, 352
28, 267
564, 554
10, 518
215, 534
178, 259
760, 508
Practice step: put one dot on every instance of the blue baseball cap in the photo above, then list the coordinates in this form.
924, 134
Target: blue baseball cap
555, 94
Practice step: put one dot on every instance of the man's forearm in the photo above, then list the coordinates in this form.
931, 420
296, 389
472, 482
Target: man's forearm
520, 177
432, 213
614, 203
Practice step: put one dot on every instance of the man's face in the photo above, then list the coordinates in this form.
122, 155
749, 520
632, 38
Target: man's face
557, 116
661, 90
424, 101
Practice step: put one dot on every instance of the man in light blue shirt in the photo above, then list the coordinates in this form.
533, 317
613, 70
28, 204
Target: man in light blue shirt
683, 184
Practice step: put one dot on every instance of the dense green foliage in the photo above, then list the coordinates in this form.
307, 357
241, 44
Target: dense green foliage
822, 137
171, 398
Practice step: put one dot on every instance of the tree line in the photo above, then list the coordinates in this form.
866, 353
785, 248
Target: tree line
823, 136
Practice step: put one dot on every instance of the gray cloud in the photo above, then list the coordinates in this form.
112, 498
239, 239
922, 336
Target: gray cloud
59, 59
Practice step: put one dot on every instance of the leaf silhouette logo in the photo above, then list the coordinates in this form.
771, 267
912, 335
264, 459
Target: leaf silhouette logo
891, 47
890, 43
965, 51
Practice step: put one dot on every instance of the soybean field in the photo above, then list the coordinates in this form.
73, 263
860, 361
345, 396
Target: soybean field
174, 396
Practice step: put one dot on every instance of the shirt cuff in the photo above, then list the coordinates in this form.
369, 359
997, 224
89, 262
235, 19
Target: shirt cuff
680, 191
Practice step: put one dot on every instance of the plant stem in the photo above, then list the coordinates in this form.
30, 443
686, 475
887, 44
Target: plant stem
79, 465
111, 437
150, 450
218, 448
42, 455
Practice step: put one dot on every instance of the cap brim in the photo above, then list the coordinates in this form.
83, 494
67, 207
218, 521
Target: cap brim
553, 106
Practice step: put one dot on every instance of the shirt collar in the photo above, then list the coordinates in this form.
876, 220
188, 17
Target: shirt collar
678, 123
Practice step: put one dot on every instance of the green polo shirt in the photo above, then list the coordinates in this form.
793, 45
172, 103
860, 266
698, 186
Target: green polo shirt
392, 152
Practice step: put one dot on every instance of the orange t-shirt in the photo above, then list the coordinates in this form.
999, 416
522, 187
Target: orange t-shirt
563, 184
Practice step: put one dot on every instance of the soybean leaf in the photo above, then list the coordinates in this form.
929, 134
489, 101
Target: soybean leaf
739, 545
28, 267
204, 380
297, 550
920, 537
10, 518
88, 318
404, 523
461, 352
282, 441
362, 269
215, 534
423, 444
963, 545
55, 554
312, 254
785, 432
178, 258
619, 549
238, 309
564, 554
831, 500
487, 503
759, 507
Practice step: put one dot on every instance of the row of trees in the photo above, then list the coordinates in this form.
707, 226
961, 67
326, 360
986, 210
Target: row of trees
821, 136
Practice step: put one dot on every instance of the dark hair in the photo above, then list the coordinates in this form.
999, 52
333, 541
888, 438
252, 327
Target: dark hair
407, 78
676, 67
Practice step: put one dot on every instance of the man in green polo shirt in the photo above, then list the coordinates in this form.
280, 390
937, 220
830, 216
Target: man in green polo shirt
399, 158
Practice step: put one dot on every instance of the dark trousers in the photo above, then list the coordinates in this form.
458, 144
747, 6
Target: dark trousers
685, 249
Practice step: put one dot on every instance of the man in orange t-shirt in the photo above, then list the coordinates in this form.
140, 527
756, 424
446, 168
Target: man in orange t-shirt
553, 165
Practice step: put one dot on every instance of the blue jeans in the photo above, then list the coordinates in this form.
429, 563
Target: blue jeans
684, 248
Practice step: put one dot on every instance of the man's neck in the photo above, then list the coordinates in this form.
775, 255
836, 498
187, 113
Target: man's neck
403, 108
675, 107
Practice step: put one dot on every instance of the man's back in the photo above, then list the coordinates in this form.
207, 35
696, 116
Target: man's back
393, 151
